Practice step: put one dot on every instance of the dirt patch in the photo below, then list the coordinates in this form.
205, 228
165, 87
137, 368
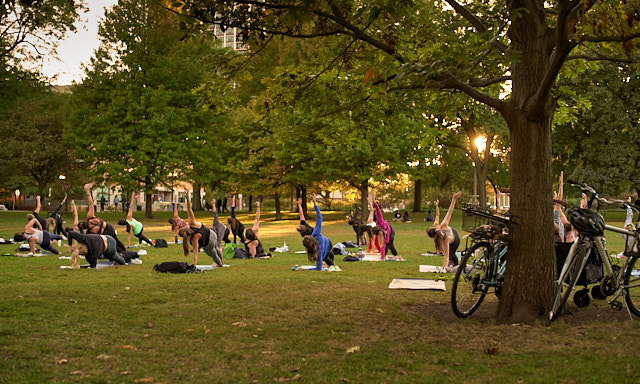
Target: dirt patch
598, 311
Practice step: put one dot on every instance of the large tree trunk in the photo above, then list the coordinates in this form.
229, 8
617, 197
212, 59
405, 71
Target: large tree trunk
417, 195
148, 205
364, 193
528, 284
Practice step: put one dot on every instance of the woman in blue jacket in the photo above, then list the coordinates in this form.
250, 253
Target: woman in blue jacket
319, 247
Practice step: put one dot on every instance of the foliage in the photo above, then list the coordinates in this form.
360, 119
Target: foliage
606, 155
34, 152
136, 117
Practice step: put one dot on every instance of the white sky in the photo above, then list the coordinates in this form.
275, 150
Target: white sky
77, 48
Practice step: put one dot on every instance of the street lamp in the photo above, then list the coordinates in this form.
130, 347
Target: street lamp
481, 143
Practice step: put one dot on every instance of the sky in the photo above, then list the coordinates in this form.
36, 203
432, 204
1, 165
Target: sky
77, 48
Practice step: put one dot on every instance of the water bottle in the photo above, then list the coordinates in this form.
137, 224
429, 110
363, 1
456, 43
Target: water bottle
360, 253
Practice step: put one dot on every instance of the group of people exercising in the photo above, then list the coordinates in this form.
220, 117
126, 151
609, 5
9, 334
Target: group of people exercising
96, 239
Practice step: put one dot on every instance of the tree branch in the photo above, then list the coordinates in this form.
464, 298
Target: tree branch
476, 23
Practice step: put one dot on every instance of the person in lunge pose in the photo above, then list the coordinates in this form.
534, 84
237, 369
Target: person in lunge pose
199, 236
319, 247
446, 238
133, 226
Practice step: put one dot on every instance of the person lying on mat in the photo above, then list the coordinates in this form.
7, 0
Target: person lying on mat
252, 242
200, 237
446, 238
94, 247
34, 234
319, 247
304, 229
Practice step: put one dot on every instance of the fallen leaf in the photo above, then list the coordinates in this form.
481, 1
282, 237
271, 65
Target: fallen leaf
268, 352
129, 347
239, 324
145, 380
145, 335
297, 376
103, 357
353, 349
207, 331
62, 361
76, 373
126, 373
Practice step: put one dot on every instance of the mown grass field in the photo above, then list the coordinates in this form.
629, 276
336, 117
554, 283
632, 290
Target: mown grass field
259, 321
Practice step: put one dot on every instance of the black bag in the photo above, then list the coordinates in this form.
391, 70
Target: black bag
172, 267
161, 243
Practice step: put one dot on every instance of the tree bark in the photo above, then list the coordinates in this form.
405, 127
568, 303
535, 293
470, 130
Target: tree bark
417, 195
197, 199
148, 205
530, 272
276, 196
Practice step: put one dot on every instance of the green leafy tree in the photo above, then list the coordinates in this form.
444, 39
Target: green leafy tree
34, 152
606, 156
136, 118
466, 48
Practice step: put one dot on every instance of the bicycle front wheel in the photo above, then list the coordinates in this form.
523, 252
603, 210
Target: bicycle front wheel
468, 287
632, 286
568, 279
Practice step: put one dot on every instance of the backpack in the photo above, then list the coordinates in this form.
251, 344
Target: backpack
161, 243
175, 267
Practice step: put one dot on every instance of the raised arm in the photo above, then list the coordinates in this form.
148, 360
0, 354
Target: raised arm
90, 209
256, 221
318, 228
561, 186
300, 210
447, 217
30, 225
175, 207
55, 212
130, 213
436, 219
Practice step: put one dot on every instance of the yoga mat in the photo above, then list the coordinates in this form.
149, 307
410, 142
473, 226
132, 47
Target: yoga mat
208, 267
432, 268
417, 284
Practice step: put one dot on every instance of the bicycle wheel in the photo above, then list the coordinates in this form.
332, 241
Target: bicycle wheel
568, 280
632, 282
468, 288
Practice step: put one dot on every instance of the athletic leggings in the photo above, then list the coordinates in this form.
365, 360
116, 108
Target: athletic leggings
142, 238
46, 242
453, 247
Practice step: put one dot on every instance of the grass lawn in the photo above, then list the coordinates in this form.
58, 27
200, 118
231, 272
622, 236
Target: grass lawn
259, 321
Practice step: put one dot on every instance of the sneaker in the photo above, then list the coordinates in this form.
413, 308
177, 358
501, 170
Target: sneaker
136, 261
332, 268
337, 269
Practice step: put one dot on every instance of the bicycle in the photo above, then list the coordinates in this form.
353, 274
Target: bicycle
582, 264
483, 264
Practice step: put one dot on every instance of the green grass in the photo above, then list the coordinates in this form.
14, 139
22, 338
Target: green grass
258, 321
